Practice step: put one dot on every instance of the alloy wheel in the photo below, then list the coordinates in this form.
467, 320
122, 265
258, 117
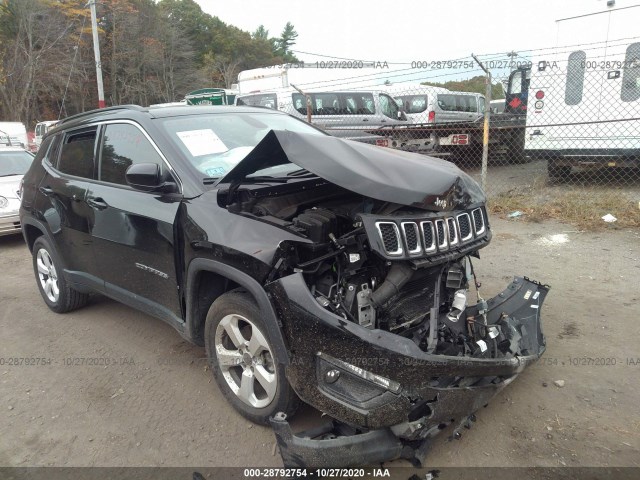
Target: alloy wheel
47, 275
245, 360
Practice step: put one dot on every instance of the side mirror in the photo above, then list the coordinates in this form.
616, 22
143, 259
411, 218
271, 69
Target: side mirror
147, 177
401, 115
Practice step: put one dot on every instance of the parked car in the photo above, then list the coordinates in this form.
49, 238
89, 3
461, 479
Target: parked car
427, 104
14, 163
310, 268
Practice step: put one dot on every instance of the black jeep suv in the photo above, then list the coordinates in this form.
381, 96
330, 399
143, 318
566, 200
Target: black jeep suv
310, 267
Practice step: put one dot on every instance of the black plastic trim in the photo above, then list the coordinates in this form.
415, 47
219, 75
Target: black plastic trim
252, 286
375, 446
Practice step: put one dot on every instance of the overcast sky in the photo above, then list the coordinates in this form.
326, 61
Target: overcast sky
404, 31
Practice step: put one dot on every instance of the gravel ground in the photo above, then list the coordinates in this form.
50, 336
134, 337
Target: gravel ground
155, 402
532, 177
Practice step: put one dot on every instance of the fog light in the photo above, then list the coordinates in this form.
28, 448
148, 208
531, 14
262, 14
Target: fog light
331, 376
379, 380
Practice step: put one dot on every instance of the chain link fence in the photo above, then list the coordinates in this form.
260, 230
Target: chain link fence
563, 128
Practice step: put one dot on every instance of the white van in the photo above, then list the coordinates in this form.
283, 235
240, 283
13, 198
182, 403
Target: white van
426, 104
348, 114
41, 129
13, 134
584, 102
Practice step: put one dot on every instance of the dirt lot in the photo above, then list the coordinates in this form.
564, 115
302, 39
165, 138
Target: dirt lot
155, 403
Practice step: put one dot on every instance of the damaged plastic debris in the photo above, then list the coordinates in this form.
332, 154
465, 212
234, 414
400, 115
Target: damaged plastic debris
515, 214
332, 444
458, 305
609, 218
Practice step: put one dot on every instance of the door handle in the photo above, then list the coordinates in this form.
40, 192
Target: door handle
48, 191
365, 119
97, 203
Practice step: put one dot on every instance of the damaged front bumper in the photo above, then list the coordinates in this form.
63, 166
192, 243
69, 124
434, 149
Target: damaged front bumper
387, 396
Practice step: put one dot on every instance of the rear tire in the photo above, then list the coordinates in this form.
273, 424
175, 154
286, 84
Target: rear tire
243, 361
556, 172
55, 291
517, 157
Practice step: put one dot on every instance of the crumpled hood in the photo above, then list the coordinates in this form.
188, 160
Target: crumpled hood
381, 173
9, 186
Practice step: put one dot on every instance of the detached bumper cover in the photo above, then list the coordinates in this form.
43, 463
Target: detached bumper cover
386, 384
372, 447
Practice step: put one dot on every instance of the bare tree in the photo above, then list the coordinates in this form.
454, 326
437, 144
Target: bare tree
27, 49
221, 68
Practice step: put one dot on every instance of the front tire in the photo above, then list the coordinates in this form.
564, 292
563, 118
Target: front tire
55, 291
243, 361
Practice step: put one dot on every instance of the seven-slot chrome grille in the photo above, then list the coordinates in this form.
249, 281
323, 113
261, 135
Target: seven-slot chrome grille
424, 237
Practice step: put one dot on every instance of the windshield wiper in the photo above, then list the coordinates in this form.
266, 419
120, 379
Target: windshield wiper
255, 179
303, 172
10, 174
265, 178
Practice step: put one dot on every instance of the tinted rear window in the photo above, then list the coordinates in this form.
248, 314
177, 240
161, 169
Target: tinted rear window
329, 103
457, 103
76, 157
413, 103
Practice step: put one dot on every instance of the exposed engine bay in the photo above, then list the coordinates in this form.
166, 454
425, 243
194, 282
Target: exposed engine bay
387, 266
373, 284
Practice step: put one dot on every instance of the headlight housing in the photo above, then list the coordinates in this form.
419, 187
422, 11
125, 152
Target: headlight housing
3, 202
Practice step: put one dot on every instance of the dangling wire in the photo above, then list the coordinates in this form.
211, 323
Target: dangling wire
75, 54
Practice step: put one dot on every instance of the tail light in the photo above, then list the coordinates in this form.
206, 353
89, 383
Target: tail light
432, 116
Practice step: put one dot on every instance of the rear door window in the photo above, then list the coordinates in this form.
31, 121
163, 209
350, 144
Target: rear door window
50, 149
575, 78
326, 104
358, 103
631, 74
78, 153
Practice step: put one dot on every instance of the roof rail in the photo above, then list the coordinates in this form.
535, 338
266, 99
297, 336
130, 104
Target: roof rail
107, 109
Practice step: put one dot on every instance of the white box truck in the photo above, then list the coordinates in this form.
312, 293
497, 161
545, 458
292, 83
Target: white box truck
317, 76
584, 98
13, 134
